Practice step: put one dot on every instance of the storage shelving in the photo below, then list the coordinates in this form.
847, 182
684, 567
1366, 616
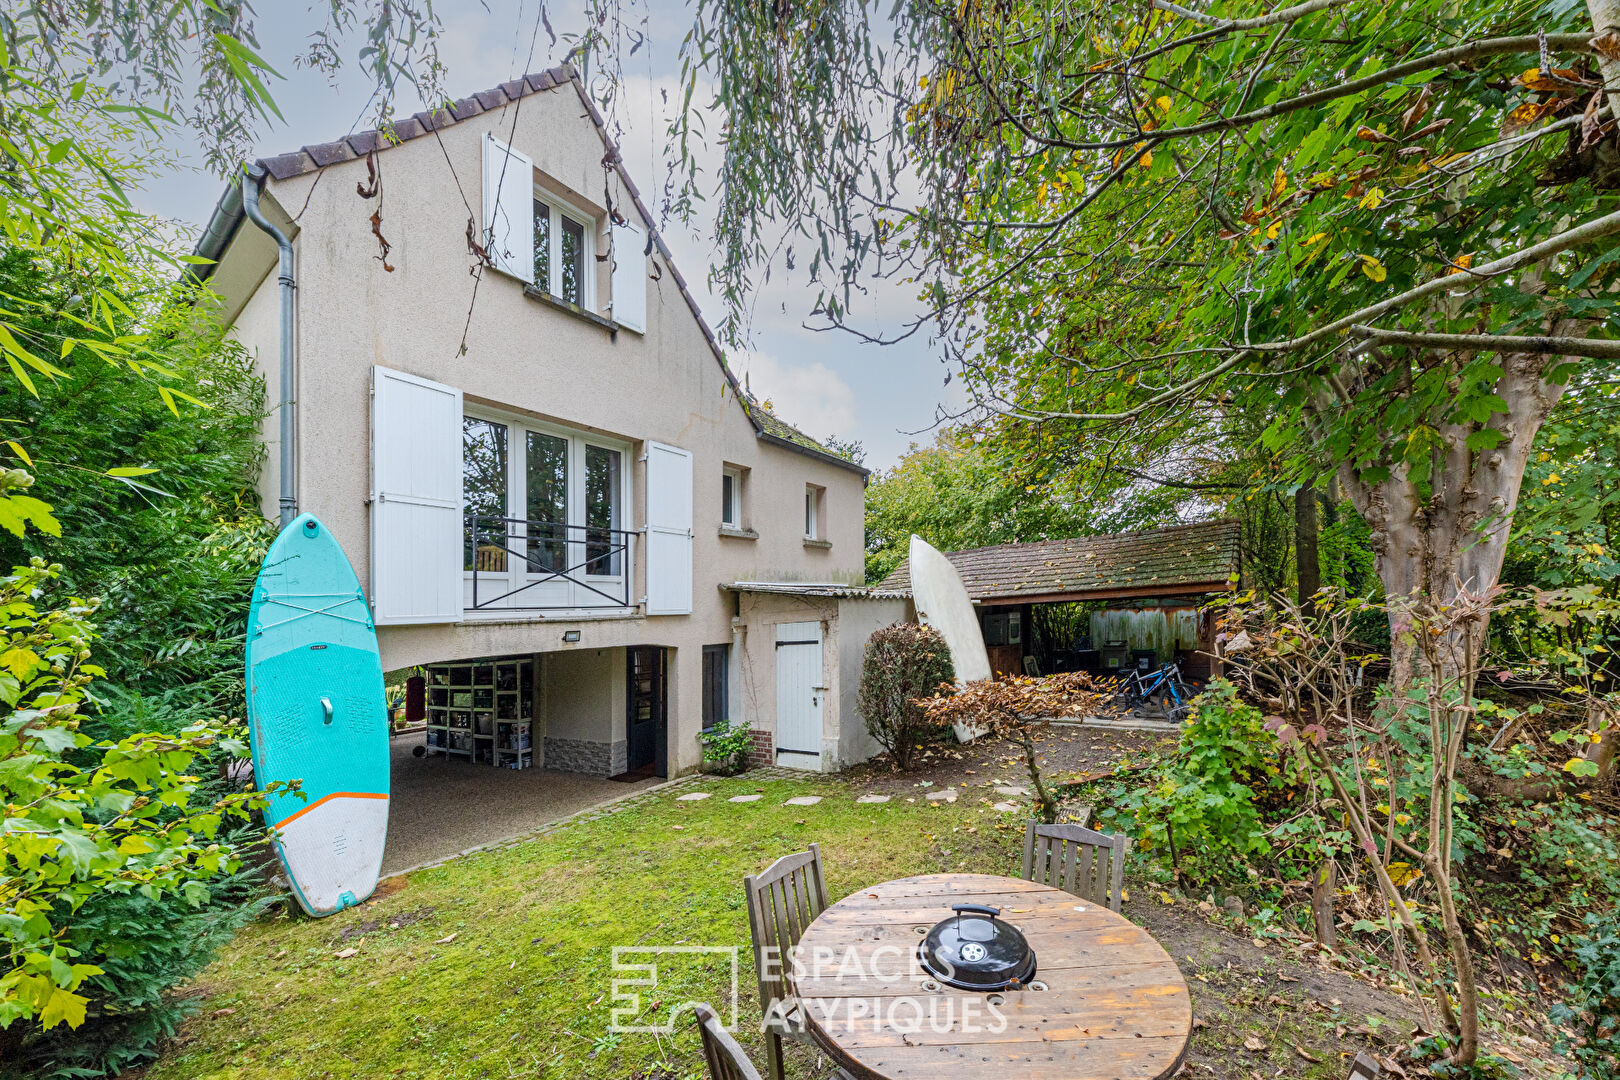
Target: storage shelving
482, 710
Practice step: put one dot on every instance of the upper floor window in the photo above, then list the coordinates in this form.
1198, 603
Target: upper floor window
812, 512
731, 495
562, 252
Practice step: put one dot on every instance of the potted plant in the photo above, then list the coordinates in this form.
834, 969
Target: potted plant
725, 748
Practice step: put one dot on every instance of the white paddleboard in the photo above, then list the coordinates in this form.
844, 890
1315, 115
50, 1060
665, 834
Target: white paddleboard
942, 602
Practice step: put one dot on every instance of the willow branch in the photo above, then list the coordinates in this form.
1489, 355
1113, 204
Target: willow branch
1597, 348
1298, 11
1394, 73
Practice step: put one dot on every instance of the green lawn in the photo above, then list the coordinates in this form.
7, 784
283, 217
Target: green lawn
524, 986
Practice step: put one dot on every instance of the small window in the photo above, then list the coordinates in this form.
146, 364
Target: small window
562, 252
571, 280
716, 662
542, 245
1003, 628
812, 512
731, 498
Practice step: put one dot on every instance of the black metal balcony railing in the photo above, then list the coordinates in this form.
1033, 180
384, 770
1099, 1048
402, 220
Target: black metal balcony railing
545, 552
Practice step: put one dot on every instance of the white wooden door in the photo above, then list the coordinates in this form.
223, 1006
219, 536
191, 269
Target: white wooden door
799, 695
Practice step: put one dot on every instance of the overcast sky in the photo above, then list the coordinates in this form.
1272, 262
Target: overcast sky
826, 383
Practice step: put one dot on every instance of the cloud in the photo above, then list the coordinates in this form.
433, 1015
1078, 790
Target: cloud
812, 397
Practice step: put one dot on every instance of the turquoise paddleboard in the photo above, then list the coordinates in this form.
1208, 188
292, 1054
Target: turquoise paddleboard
317, 714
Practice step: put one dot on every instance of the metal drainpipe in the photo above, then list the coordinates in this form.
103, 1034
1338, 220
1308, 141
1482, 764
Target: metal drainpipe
251, 183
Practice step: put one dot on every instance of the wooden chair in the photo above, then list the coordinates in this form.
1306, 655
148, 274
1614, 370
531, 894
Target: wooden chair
725, 1058
1365, 1068
1089, 864
783, 900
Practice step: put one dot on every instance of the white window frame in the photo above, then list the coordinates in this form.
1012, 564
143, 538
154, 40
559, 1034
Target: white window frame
561, 208
517, 502
812, 511
735, 475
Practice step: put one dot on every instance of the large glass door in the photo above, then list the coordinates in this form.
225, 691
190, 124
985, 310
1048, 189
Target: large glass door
545, 520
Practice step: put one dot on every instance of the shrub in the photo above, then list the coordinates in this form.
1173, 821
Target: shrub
1589, 1022
1202, 807
88, 820
1015, 709
144, 947
904, 662
726, 746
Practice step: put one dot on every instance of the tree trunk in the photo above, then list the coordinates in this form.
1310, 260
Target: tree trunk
1449, 534
1307, 568
1322, 890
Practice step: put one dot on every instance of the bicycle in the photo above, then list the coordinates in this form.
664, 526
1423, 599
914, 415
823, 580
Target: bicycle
1162, 689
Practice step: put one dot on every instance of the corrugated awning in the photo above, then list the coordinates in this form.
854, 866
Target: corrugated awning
831, 590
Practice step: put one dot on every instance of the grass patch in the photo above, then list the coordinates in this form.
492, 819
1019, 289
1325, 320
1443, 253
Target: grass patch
524, 986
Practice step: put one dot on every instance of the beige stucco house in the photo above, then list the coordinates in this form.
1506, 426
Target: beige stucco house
501, 398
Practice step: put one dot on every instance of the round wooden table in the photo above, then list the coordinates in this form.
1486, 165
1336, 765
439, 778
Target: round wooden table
1107, 1002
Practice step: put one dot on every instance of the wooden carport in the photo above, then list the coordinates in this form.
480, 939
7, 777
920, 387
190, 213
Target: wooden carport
1170, 571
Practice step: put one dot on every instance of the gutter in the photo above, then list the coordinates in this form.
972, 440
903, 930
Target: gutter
253, 180
217, 234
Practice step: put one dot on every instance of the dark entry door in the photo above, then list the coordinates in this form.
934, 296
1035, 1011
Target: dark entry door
646, 701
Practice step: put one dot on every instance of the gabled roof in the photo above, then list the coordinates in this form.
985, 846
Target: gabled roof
227, 216
1175, 561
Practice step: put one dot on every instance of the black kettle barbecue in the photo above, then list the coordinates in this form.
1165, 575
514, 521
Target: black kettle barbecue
973, 950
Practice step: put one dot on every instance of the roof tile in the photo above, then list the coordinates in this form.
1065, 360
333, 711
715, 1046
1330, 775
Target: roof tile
491, 99
367, 141
330, 153
466, 108
1178, 558
284, 166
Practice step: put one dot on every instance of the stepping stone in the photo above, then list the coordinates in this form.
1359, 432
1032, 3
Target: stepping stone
949, 795
1004, 808
692, 796
803, 800
872, 799
745, 798
1009, 789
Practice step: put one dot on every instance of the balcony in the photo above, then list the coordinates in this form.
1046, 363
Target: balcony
520, 565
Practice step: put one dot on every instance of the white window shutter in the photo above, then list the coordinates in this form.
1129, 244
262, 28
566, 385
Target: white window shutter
509, 209
669, 530
416, 503
630, 277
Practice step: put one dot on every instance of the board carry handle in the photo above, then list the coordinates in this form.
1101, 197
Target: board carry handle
326, 710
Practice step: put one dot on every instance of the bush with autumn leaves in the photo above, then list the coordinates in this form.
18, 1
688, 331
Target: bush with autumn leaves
1018, 708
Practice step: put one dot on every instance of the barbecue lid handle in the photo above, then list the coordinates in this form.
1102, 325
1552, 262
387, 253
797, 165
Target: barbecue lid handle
976, 909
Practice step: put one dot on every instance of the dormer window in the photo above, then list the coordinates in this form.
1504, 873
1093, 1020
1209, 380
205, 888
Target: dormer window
562, 251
